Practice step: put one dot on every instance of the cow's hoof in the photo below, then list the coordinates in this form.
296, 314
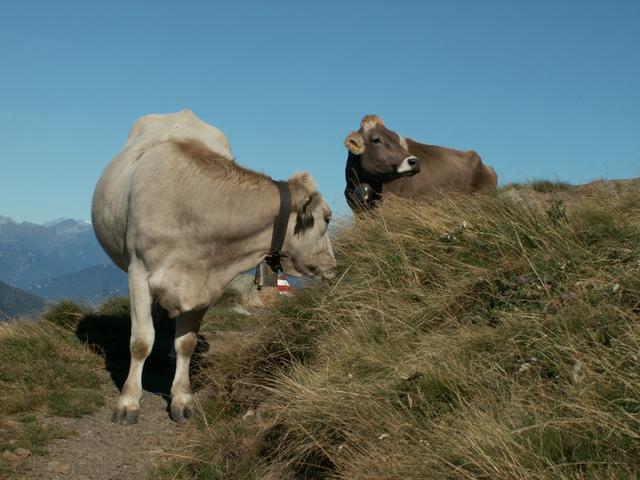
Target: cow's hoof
180, 413
124, 416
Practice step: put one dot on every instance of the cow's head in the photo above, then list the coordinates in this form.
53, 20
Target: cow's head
382, 154
307, 248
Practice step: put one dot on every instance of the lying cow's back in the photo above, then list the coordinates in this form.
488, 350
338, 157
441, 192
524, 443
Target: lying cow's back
113, 191
443, 170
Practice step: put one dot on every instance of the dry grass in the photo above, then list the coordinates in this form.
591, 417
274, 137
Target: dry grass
476, 338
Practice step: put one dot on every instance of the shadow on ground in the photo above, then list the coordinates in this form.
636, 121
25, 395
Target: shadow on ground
108, 335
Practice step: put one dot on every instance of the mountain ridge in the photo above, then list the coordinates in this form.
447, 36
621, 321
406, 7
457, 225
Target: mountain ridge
92, 284
30, 252
15, 302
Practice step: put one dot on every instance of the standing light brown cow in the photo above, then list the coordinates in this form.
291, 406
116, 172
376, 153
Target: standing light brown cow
183, 219
382, 162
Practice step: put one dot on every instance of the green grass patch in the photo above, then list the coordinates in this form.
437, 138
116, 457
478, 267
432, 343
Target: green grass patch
115, 307
44, 370
540, 186
65, 314
25, 432
548, 186
42, 367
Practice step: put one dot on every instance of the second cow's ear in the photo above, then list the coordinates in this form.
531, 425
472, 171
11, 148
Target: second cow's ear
355, 143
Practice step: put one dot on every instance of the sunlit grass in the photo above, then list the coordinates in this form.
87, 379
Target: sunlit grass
479, 337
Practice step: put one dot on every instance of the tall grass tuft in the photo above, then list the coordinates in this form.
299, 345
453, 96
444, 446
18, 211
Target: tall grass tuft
66, 314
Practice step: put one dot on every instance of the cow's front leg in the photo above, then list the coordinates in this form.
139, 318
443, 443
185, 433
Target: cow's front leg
140, 344
187, 326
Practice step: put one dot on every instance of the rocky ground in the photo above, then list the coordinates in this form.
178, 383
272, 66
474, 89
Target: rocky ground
99, 449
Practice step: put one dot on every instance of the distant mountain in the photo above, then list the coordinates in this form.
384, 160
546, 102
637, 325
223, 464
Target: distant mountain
93, 285
30, 252
15, 302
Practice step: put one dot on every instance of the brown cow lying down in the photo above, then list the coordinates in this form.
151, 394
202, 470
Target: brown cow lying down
382, 162
176, 212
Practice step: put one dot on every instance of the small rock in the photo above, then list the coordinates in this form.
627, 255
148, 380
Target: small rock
9, 457
576, 372
22, 452
59, 467
249, 413
254, 300
383, 436
239, 309
524, 367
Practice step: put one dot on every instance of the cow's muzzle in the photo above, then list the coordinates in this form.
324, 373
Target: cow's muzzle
328, 275
409, 166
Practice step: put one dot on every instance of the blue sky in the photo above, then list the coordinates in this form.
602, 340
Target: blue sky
544, 89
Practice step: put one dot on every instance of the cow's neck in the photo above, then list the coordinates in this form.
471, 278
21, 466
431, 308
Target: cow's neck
249, 241
354, 176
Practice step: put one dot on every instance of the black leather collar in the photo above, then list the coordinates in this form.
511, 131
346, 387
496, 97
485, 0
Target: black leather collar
280, 224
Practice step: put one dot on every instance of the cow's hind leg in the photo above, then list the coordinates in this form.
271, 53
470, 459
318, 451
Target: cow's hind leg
140, 344
187, 326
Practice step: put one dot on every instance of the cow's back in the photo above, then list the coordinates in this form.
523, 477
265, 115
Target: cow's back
443, 170
183, 125
159, 127
111, 199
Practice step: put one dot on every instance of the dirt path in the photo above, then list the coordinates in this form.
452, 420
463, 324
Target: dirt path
99, 449
102, 450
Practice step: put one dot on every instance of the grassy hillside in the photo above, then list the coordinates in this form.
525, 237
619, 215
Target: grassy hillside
495, 337
15, 302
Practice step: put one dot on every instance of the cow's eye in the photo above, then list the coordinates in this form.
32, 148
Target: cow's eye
327, 219
376, 140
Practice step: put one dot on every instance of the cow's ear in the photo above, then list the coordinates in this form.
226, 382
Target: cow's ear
370, 121
305, 218
355, 143
303, 180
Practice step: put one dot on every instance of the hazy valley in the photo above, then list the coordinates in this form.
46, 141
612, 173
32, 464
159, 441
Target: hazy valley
52, 261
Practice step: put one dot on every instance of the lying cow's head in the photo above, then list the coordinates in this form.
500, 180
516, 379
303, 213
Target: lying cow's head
382, 154
307, 248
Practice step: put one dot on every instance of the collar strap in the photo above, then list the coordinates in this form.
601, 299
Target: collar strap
280, 224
